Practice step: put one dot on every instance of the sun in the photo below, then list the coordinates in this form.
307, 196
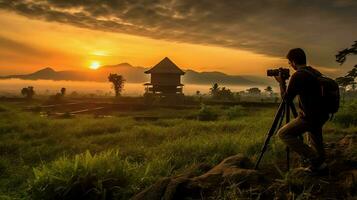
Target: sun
94, 65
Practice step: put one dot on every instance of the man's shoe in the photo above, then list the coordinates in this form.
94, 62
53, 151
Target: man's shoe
317, 170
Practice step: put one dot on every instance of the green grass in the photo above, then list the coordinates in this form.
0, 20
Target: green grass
347, 115
44, 157
99, 176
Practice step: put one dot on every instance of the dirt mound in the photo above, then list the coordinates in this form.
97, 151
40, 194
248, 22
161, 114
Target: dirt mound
235, 174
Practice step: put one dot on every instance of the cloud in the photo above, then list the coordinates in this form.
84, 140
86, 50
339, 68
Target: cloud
10, 46
269, 27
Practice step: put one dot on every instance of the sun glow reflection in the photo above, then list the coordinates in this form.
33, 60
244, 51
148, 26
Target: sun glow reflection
94, 65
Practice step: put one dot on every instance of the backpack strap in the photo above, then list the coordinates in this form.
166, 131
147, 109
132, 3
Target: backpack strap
311, 71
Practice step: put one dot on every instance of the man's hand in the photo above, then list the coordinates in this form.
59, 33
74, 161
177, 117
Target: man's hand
279, 79
282, 85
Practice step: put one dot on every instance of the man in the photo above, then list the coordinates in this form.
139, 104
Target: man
304, 84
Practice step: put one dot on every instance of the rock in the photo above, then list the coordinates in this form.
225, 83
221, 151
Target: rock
231, 170
171, 188
194, 170
348, 141
177, 189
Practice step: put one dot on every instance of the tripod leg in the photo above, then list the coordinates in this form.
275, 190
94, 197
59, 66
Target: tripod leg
271, 132
281, 118
288, 105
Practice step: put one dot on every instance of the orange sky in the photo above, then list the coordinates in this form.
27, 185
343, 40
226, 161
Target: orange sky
33, 44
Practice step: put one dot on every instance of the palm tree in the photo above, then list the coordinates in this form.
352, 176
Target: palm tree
214, 89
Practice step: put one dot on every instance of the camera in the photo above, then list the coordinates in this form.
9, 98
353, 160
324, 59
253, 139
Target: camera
284, 73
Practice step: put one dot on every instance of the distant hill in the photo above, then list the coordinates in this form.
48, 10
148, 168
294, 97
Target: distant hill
134, 74
130, 73
193, 77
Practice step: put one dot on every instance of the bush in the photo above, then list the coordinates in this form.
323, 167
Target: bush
206, 114
347, 115
235, 111
101, 176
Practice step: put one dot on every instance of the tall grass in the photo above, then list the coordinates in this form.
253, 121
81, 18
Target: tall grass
101, 176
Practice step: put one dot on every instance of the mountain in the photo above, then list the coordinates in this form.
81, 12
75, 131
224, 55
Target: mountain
193, 77
130, 73
134, 74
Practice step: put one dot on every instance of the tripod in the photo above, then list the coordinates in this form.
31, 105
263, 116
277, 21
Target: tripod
283, 111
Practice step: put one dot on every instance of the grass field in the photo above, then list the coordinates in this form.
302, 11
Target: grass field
42, 158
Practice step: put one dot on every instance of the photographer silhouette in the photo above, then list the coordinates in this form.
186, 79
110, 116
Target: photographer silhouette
305, 84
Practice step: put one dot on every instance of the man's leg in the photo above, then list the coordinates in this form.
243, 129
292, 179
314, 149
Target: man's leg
289, 135
316, 142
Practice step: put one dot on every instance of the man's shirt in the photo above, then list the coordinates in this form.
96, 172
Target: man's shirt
306, 86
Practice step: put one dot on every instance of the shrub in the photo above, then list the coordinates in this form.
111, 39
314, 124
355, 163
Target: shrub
347, 115
206, 114
100, 176
235, 111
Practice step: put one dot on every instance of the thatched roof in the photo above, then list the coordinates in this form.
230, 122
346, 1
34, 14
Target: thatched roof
165, 66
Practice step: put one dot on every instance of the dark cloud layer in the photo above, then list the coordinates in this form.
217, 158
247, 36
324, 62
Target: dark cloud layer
270, 27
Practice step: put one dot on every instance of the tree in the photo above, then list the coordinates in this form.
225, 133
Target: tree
269, 90
345, 81
118, 83
254, 91
221, 93
214, 89
342, 55
28, 92
63, 91
225, 93
348, 79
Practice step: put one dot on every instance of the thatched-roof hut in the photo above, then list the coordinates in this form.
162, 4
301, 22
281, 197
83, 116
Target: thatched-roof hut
165, 78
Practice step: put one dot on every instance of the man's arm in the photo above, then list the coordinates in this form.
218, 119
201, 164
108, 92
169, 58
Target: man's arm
291, 91
293, 87
282, 90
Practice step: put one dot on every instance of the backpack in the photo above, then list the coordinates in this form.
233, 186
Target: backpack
330, 91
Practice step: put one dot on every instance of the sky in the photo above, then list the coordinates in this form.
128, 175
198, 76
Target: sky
231, 36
